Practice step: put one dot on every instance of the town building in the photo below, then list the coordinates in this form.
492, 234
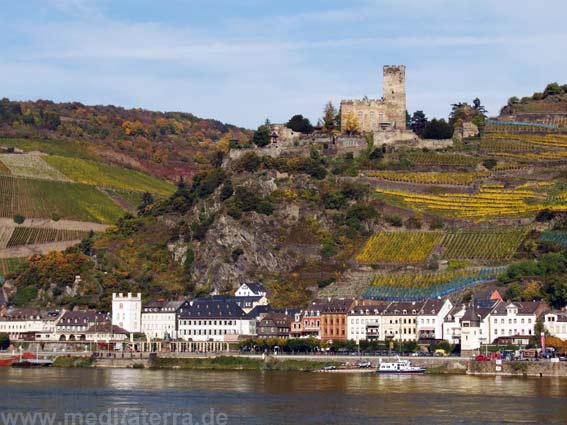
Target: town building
307, 322
159, 319
73, 325
399, 320
333, 324
430, 319
251, 290
29, 324
515, 319
274, 325
364, 320
107, 333
555, 323
127, 311
213, 320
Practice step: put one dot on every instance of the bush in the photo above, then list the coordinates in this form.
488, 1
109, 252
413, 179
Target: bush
19, 219
394, 220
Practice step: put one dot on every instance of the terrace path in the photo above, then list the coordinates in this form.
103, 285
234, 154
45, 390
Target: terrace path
60, 224
40, 248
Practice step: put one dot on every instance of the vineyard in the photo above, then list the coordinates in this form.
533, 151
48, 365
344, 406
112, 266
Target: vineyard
489, 245
398, 247
454, 178
109, 176
31, 166
442, 159
47, 199
491, 201
34, 235
8, 265
559, 238
5, 235
419, 286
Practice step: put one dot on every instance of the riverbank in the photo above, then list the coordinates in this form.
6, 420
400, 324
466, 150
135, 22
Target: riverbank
433, 366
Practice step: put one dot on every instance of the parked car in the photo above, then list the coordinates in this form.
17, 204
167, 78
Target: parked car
482, 358
330, 367
364, 364
440, 353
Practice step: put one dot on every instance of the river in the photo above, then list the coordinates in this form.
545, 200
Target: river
137, 397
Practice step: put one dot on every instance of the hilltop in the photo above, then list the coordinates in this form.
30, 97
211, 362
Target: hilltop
164, 144
390, 221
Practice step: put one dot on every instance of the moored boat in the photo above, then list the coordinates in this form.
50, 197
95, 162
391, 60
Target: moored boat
401, 367
32, 363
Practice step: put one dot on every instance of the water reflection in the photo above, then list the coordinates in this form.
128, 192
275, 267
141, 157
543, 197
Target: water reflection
279, 397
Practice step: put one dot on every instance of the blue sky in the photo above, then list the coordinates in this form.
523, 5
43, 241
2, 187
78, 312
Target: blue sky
241, 61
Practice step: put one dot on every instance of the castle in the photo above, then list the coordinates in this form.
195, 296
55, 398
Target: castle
388, 113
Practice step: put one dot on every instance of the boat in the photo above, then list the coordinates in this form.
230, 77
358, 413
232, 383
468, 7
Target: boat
32, 363
8, 361
400, 367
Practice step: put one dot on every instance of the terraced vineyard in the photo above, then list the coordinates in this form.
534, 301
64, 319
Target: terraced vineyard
453, 178
419, 286
491, 201
109, 176
47, 199
32, 166
37, 235
8, 265
489, 245
442, 159
398, 247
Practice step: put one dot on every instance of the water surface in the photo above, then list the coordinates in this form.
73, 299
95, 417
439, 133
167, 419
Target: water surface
284, 398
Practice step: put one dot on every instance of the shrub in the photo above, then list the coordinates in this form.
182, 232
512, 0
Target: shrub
394, 220
19, 219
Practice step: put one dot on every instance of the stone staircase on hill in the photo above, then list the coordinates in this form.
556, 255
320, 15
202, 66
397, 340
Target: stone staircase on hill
352, 283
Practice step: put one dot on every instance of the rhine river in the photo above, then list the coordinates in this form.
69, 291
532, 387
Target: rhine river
132, 396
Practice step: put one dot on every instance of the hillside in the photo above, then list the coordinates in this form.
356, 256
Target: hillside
163, 144
391, 223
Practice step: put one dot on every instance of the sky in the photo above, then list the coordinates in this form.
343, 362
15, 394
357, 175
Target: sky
242, 61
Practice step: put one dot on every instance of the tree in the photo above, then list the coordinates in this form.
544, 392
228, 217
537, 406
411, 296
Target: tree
300, 124
351, 125
262, 136
552, 89
438, 129
418, 123
147, 201
4, 341
330, 117
514, 292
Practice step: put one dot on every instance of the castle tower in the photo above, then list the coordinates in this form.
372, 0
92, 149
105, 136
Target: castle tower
127, 311
395, 94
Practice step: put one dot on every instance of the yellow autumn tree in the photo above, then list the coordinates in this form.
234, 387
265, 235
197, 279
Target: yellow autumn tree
351, 124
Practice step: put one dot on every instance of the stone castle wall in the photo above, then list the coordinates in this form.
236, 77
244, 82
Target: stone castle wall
381, 114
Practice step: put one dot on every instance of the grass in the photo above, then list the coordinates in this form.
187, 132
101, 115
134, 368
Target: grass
212, 363
52, 147
47, 199
239, 363
8, 265
109, 176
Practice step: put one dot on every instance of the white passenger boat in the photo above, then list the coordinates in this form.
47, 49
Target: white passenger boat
398, 367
